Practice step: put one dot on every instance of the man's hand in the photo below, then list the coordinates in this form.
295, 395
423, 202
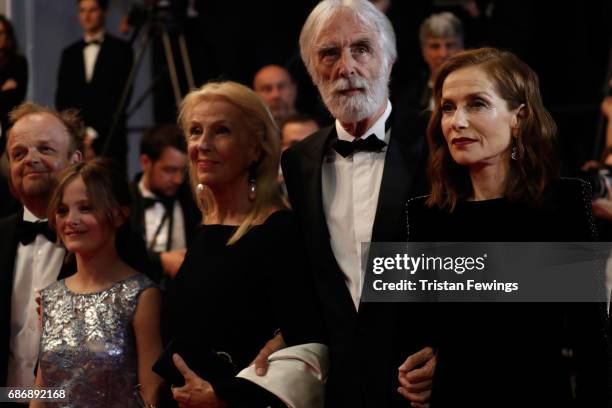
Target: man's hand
8, 85
261, 361
415, 377
196, 393
602, 208
171, 261
590, 165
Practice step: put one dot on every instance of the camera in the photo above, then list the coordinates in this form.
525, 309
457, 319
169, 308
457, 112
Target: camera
154, 11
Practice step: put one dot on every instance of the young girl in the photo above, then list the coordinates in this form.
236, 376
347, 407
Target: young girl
101, 325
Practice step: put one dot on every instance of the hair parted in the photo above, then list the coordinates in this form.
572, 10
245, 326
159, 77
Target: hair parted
261, 124
536, 165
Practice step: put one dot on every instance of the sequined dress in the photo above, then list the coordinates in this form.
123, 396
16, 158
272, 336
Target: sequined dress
88, 346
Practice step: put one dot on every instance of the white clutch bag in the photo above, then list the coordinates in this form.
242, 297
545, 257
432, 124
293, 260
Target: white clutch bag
296, 375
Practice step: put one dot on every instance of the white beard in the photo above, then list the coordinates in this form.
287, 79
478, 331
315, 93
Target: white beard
354, 108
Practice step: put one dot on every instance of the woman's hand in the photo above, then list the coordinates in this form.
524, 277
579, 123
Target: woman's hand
196, 393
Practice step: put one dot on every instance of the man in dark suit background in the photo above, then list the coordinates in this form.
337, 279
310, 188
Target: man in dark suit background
40, 144
348, 184
163, 210
92, 76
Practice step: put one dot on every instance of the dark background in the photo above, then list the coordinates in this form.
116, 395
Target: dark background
566, 43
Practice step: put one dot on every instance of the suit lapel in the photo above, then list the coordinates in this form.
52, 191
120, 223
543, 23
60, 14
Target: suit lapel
397, 181
99, 64
318, 233
80, 65
8, 253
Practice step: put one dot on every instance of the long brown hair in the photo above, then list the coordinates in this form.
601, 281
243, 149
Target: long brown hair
536, 163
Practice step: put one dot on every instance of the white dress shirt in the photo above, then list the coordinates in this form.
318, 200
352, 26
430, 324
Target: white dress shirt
90, 54
153, 217
350, 197
37, 265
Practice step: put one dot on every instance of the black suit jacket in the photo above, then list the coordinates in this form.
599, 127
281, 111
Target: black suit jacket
8, 253
98, 99
192, 217
366, 347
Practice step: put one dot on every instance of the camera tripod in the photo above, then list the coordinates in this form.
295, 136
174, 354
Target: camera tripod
155, 25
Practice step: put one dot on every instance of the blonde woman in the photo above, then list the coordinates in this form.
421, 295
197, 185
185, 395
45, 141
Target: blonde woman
243, 277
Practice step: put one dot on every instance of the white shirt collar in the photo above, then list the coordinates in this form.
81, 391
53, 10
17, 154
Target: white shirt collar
378, 128
30, 217
145, 191
98, 37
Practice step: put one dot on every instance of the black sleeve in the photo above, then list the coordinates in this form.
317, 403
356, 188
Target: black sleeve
299, 312
588, 323
297, 307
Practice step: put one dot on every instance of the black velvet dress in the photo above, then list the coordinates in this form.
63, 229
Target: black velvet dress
517, 354
233, 298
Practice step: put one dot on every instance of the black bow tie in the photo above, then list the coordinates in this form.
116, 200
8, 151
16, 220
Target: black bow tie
27, 231
93, 42
369, 144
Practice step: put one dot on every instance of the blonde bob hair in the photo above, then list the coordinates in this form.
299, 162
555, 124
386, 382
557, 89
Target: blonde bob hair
262, 127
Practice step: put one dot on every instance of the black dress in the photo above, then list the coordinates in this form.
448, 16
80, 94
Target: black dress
517, 354
233, 298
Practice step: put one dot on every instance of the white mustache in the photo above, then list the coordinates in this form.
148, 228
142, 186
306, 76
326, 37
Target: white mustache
342, 84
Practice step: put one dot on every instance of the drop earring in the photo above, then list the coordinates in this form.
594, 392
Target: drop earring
252, 181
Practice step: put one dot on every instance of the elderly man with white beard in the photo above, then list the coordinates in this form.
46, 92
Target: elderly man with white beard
347, 184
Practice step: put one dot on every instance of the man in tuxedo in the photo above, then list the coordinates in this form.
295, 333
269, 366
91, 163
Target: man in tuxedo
348, 184
92, 76
40, 144
163, 210
440, 37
